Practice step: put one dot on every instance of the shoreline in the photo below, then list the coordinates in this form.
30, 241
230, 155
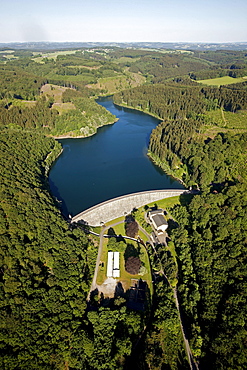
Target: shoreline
139, 110
149, 153
66, 136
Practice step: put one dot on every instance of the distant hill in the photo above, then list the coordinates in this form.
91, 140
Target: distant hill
153, 45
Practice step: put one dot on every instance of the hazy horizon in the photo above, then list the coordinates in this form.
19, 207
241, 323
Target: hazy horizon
123, 42
124, 21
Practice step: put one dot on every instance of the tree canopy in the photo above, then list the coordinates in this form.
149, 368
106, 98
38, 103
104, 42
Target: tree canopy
47, 264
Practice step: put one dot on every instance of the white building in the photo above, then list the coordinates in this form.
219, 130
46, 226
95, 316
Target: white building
113, 264
109, 264
158, 220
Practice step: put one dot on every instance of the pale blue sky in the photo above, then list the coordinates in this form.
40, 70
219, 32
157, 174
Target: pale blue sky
123, 21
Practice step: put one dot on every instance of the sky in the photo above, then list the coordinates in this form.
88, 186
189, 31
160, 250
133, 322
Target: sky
123, 20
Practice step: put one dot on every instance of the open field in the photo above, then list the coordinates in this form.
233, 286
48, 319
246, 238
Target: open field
226, 80
7, 51
7, 54
53, 55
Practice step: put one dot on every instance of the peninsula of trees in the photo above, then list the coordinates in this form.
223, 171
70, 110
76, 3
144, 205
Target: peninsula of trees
47, 266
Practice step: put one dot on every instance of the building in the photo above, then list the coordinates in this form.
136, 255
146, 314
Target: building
113, 265
158, 221
109, 264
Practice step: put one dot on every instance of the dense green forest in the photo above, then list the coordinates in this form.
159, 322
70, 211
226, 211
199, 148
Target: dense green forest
47, 265
210, 240
46, 271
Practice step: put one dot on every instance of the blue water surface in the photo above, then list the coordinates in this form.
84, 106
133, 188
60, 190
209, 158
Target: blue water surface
111, 163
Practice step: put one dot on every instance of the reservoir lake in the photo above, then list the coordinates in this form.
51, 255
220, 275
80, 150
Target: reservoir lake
111, 163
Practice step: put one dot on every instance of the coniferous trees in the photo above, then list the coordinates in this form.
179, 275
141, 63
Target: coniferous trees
46, 267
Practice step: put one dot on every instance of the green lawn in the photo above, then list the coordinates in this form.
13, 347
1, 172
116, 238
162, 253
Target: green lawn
103, 267
115, 221
125, 277
226, 80
166, 203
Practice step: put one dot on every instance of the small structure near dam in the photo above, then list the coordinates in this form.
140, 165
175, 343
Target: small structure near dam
121, 206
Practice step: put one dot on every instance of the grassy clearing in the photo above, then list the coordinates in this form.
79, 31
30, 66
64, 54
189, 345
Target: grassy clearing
7, 51
146, 275
125, 277
53, 91
226, 80
236, 120
20, 103
56, 92
222, 121
86, 67
119, 82
84, 78
126, 60
53, 55
142, 236
63, 107
95, 229
8, 54
111, 84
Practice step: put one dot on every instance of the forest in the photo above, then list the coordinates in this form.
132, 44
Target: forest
47, 265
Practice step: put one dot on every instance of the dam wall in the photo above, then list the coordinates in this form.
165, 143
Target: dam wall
121, 206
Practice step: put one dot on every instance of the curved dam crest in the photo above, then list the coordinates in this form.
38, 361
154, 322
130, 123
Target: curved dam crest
121, 206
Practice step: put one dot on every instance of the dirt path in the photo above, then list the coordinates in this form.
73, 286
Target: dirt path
223, 117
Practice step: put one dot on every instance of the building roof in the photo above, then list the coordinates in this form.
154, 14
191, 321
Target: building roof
157, 216
113, 264
116, 261
159, 220
109, 264
155, 212
116, 273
